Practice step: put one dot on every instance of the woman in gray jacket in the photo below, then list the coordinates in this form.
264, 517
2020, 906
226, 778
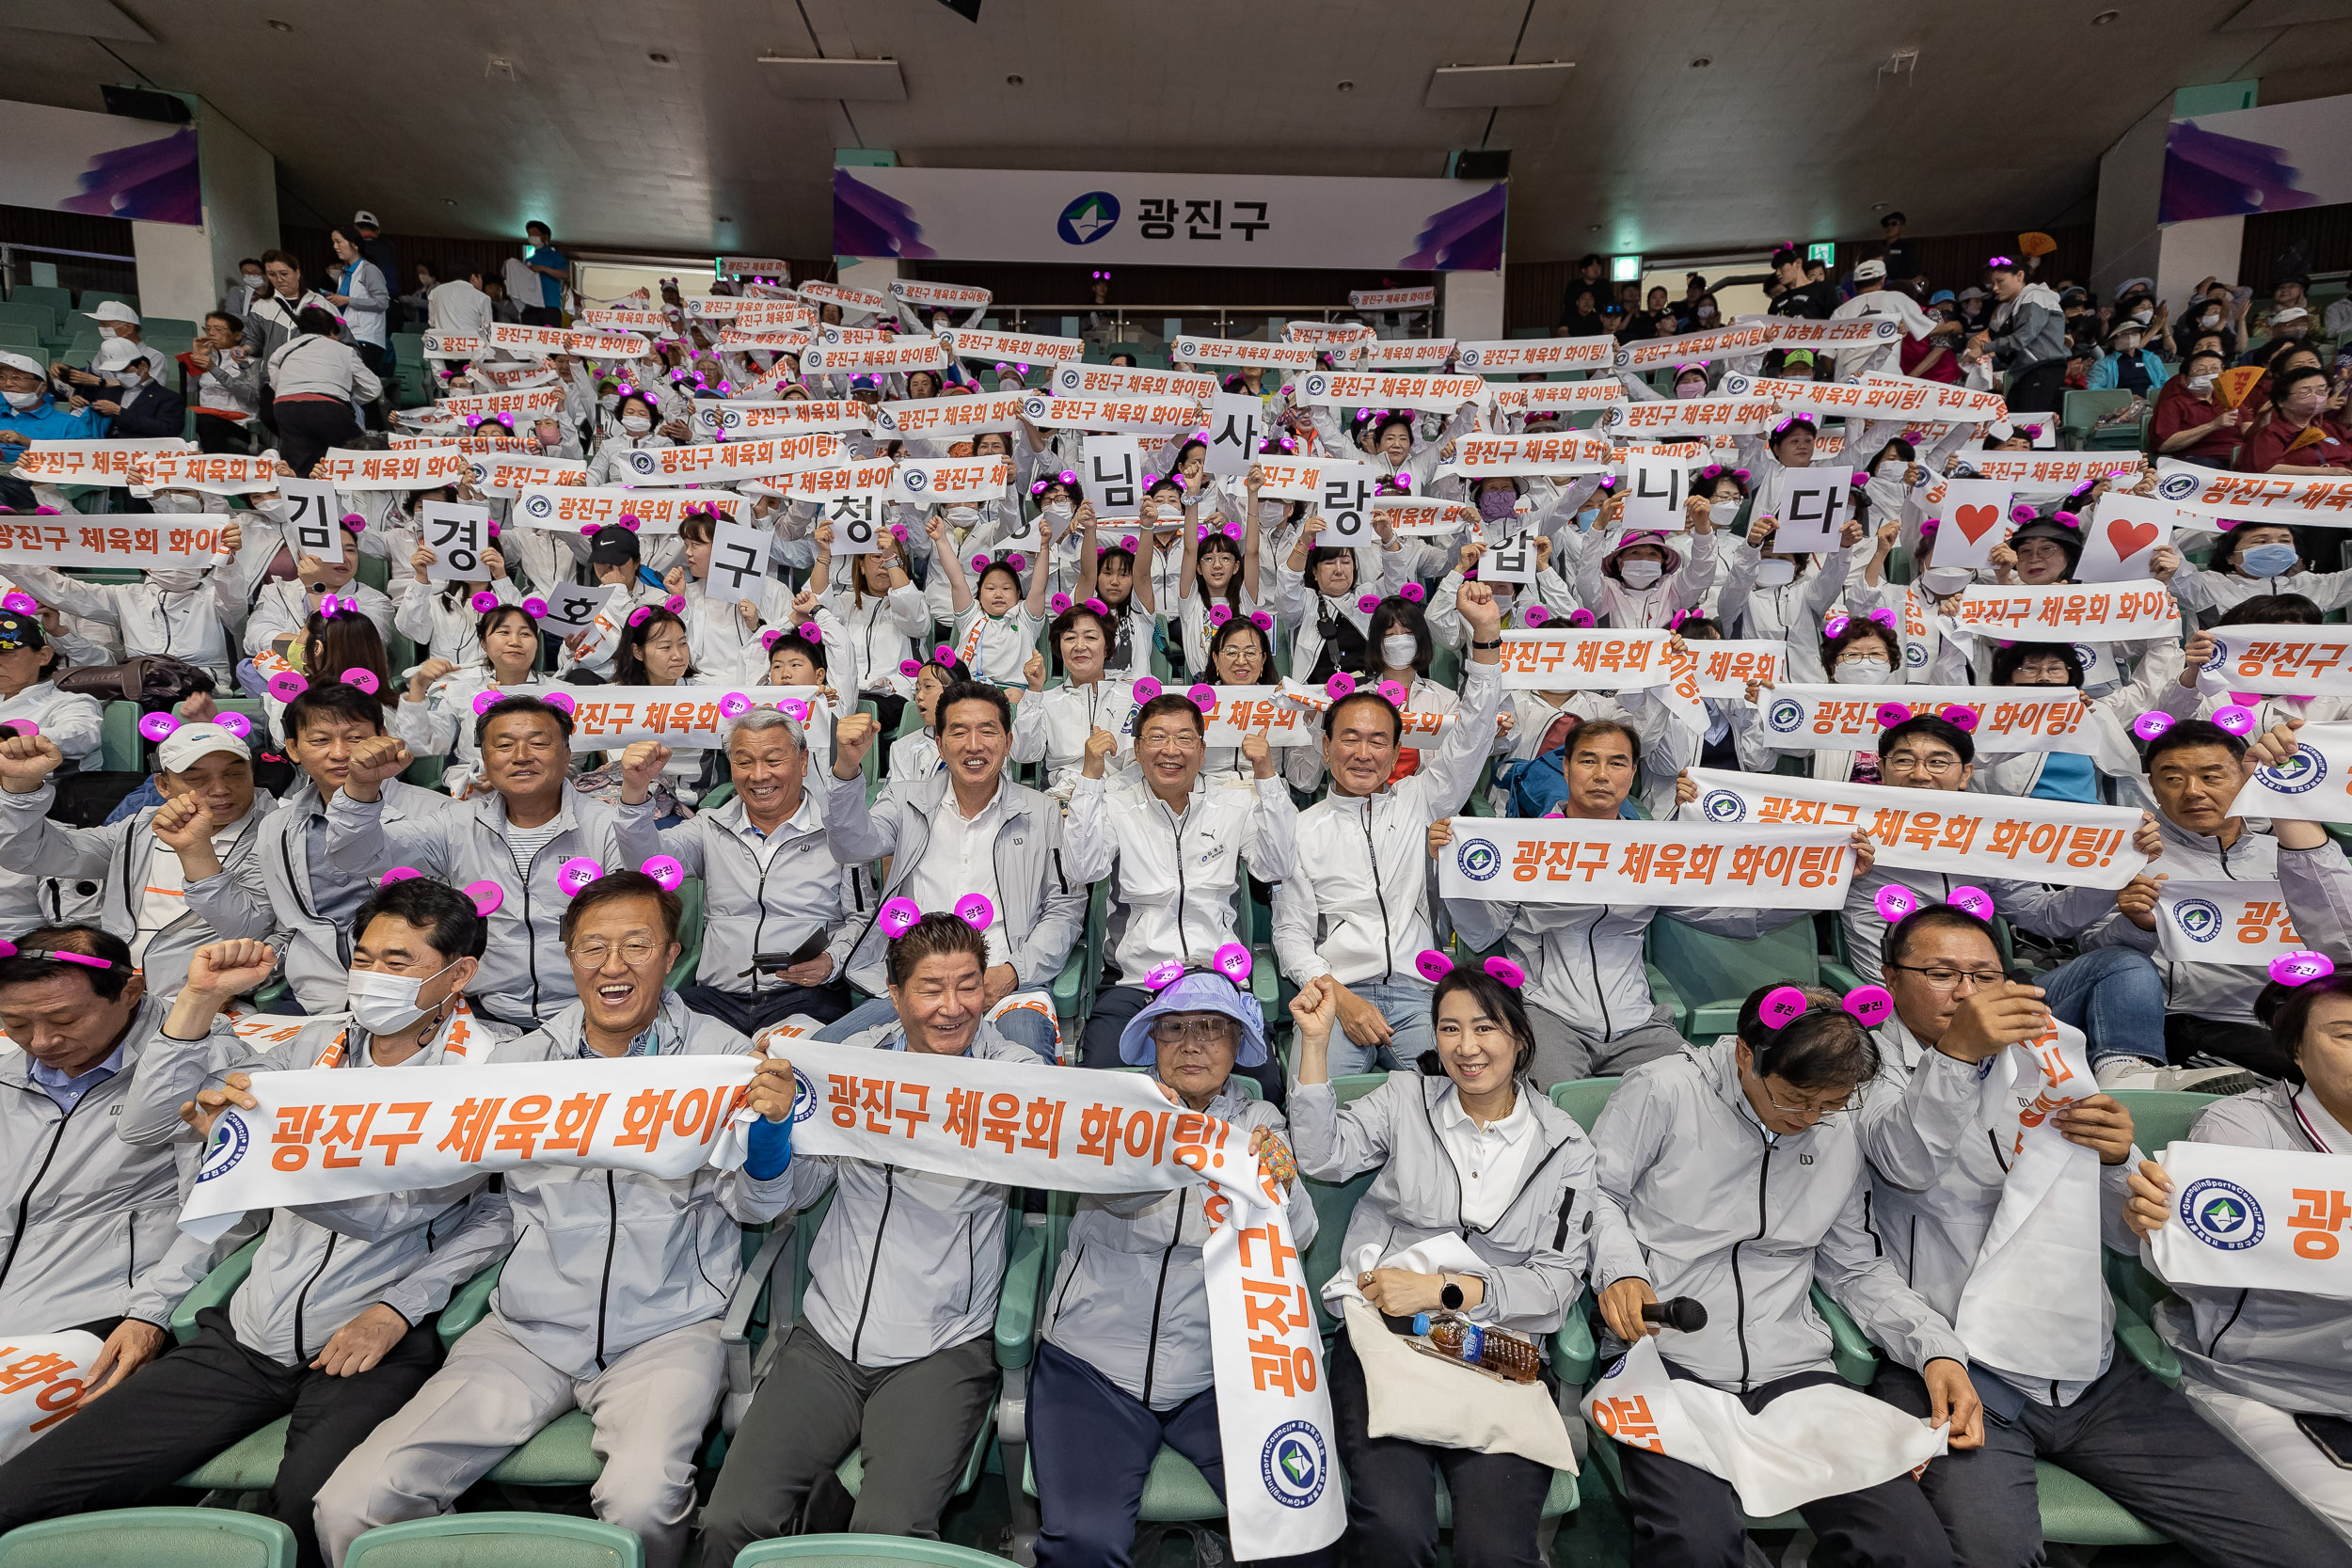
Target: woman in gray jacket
1125, 1364
1479, 1154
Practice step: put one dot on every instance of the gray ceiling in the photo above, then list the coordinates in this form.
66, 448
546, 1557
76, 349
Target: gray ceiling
1793, 130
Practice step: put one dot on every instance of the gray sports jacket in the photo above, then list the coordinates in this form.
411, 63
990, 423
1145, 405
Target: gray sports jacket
752, 907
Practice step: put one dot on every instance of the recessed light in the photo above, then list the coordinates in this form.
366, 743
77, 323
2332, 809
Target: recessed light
2104, 17
277, 26
1701, 63
1013, 80
1881, 206
448, 202
1348, 87
659, 58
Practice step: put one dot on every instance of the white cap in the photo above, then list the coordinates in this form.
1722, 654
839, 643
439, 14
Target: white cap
2292, 313
1869, 272
363, 216
114, 353
183, 746
114, 310
24, 363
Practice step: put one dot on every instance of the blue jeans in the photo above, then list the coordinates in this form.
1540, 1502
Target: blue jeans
2115, 996
1023, 1026
1406, 1004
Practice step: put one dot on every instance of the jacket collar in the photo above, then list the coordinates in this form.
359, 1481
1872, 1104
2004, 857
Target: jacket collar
568, 1029
492, 811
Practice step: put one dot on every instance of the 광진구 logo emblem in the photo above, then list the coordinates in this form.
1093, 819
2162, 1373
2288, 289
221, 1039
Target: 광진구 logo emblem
231, 1139
2300, 773
1723, 805
1088, 218
2199, 919
2221, 1214
1294, 1464
1477, 859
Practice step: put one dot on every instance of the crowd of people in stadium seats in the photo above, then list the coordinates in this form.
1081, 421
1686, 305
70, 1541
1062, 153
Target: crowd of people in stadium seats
354, 834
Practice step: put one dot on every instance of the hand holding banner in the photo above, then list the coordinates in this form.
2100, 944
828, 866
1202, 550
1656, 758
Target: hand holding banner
2264, 1219
1973, 518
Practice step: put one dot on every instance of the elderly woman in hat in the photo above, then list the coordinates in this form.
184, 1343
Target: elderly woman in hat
1124, 1366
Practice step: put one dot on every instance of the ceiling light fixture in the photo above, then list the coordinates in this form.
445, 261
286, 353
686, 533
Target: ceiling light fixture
1348, 87
1701, 63
2104, 17
1013, 80
277, 26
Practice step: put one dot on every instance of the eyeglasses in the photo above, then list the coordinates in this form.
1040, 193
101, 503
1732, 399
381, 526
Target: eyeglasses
1906, 763
1195, 1031
1940, 978
636, 952
1845, 1102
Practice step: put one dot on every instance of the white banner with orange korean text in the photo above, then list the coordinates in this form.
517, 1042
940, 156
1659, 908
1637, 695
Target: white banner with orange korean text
2052, 472
843, 295
957, 415
1827, 399
765, 339
214, 473
507, 475
473, 446
1313, 701
1948, 400
684, 717
2035, 1303
1559, 397
899, 353
490, 406
1113, 415
584, 509
2310, 787
1241, 711
2280, 661
2245, 925
951, 296
774, 315
411, 469
1243, 352
1322, 334
155, 542
102, 463
731, 419
944, 481
1134, 382
1422, 298
712, 462
1960, 834
1544, 453
1694, 347
1405, 353
645, 324
2287, 499
1434, 394
1708, 416
1554, 859
1010, 348
1535, 355
1423, 517
41, 1378
850, 479
2264, 1219
716, 307
516, 338
774, 268
1574, 658
513, 377
450, 345
1726, 665
2062, 613
2009, 718
1819, 1441
316, 1136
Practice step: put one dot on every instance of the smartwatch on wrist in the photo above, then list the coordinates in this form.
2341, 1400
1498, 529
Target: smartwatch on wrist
1450, 1297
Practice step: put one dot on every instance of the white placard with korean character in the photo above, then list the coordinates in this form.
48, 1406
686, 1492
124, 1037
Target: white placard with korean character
857, 521
1233, 435
1512, 561
1655, 488
309, 509
456, 534
1112, 475
571, 606
739, 562
1344, 496
1813, 504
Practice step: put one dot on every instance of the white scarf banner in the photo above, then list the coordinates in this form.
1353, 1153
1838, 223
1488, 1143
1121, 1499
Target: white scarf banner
2280, 661
957, 416
586, 509
750, 456
1241, 711
1241, 351
844, 297
727, 416
718, 308
516, 338
1726, 665
2283, 499
1312, 702
2244, 924
1946, 399
2310, 787
450, 345
1114, 414
899, 353
1528, 356
753, 267
1329, 336
947, 480
1717, 343
2061, 613
873, 473
507, 475
2035, 1303
1406, 354
1539, 453
1820, 1441
490, 406
1134, 382
770, 313
41, 1378
1019, 349
209, 472
684, 717
989, 1122
2263, 1219
1560, 397
1420, 517
410, 469
2044, 473
1831, 400
1574, 658
1963, 835
2009, 718
953, 296
1392, 299
473, 446
1551, 860
1435, 394
102, 463
650, 324
1712, 415
509, 378
772, 340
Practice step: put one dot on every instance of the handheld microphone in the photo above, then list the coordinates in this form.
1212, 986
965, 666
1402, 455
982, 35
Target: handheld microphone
1684, 1313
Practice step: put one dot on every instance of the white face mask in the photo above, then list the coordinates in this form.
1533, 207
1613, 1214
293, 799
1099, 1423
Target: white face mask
1863, 671
1893, 469
1705, 312
1640, 573
386, 1003
963, 516
253, 281
636, 424
2144, 315
2200, 384
2209, 322
1269, 513
1941, 580
23, 400
1058, 511
131, 375
1398, 652
1775, 574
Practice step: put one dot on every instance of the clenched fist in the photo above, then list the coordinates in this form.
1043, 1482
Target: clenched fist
641, 765
427, 672
181, 823
373, 761
852, 739
26, 760
224, 968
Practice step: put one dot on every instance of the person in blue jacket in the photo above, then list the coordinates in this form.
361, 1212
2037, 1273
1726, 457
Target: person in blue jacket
31, 415
2127, 366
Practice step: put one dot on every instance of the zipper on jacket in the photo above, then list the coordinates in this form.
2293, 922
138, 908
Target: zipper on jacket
1183, 948
1738, 1284
873, 1262
25, 1204
612, 1239
1387, 937
1159, 1299
302, 1298
1592, 956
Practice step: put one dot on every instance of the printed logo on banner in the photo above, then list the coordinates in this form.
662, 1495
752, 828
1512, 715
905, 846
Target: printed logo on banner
644, 462
539, 506
1478, 858
2221, 1214
1316, 383
1721, 805
1294, 1464
1785, 716
2199, 919
804, 1097
2177, 486
915, 480
1914, 654
1088, 218
231, 1139
2305, 771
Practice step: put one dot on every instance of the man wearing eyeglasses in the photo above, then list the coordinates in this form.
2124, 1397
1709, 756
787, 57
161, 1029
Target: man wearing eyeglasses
1939, 1130
609, 1302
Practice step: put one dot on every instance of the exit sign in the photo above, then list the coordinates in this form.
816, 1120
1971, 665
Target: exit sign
1824, 252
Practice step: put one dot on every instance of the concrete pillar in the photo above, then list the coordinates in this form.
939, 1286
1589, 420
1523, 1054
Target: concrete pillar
875, 275
1473, 303
185, 271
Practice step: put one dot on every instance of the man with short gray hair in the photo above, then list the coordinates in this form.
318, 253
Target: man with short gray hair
776, 906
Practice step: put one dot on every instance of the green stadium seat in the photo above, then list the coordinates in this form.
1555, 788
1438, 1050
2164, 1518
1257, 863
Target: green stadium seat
177, 327
497, 1540
144, 1537
1714, 974
59, 301
92, 298
859, 1551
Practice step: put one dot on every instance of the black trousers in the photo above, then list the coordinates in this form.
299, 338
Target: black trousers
307, 429
1393, 1490
198, 1398
223, 436
749, 1015
2037, 390
542, 315
2247, 1044
1684, 1517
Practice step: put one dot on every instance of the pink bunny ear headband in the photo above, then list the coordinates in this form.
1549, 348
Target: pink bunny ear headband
1960, 718
1895, 901
2302, 967
486, 896
942, 655
898, 917
1835, 625
59, 956
1869, 1006
1435, 966
2236, 718
1233, 961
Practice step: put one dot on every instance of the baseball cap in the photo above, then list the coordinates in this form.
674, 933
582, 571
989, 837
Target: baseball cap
1972, 292
363, 216
1796, 356
1940, 296
24, 363
114, 353
183, 746
18, 632
2292, 313
114, 310
1869, 272
613, 545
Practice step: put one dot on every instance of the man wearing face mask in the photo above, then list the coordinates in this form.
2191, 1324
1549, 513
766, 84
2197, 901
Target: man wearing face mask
2128, 367
246, 287
2292, 324
2188, 424
132, 400
31, 415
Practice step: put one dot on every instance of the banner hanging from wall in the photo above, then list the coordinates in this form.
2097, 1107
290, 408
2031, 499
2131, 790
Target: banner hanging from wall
1223, 221
2265, 160
107, 165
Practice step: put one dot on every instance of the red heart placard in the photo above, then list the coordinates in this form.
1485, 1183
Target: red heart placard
1973, 521
2129, 538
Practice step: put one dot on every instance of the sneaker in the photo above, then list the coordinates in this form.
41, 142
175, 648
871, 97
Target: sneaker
2137, 1072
